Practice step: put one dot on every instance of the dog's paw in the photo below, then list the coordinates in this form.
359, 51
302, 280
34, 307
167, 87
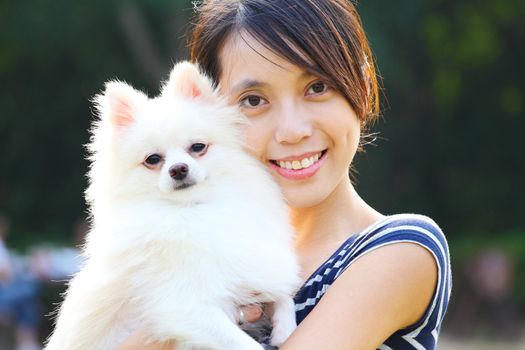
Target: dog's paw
283, 321
280, 334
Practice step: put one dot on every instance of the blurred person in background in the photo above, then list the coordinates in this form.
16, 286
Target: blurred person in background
486, 305
59, 263
6, 269
19, 302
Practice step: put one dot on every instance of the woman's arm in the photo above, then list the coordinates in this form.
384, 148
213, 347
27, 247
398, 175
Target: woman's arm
383, 291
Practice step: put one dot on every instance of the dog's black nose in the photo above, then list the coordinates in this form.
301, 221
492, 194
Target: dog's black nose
179, 171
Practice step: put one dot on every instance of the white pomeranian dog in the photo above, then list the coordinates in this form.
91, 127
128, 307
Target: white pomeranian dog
187, 226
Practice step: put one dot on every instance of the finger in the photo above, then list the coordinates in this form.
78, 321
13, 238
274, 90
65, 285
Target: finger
252, 313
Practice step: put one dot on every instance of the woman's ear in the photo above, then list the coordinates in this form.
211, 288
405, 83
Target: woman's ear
187, 81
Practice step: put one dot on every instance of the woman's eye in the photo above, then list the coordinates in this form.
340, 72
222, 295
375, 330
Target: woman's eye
153, 159
317, 88
197, 147
252, 101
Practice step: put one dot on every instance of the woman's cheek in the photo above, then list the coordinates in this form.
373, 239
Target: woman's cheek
257, 138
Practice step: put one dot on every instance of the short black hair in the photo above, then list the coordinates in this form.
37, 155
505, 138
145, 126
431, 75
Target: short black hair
324, 37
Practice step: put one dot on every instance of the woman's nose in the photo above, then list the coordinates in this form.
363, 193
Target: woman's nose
293, 125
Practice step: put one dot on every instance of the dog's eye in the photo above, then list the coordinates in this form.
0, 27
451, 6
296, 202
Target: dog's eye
153, 159
197, 147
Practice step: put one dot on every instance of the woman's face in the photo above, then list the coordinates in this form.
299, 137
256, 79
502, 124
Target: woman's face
302, 129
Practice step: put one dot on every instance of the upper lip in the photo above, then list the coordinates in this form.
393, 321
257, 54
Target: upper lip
298, 157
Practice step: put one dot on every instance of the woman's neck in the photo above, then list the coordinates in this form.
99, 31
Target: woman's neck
341, 214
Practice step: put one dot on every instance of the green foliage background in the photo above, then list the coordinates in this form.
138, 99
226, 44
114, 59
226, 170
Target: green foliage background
450, 142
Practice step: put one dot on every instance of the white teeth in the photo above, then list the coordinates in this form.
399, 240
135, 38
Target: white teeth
305, 163
299, 164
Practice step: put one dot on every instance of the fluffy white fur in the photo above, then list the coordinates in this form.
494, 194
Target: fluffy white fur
177, 263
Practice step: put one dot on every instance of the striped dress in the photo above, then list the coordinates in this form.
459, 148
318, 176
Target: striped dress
392, 229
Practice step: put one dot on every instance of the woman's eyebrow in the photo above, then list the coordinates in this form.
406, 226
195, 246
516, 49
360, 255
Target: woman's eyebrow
247, 84
306, 75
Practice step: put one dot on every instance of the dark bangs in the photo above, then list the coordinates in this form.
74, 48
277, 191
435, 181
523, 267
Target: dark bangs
324, 37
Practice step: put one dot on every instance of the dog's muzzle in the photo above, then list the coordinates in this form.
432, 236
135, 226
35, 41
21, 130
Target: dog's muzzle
182, 185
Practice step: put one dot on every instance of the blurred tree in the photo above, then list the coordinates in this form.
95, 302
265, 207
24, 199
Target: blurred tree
54, 57
454, 82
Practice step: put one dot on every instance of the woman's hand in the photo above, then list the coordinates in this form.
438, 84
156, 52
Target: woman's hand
252, 313
136, 341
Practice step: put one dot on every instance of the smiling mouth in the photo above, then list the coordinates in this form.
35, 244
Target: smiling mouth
299, 164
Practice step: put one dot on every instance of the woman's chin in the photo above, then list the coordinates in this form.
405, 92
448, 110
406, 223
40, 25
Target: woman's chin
301, 198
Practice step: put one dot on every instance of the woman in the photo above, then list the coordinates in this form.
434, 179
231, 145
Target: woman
301, 71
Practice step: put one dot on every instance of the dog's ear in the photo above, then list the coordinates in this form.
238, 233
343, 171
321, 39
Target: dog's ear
187, 81
119, 103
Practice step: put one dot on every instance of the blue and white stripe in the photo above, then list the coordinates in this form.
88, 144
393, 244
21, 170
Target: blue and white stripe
393, 229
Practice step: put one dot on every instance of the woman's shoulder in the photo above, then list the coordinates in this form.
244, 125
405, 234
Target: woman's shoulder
426, 233
391, 229
402, 220
400, 228
415, 228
